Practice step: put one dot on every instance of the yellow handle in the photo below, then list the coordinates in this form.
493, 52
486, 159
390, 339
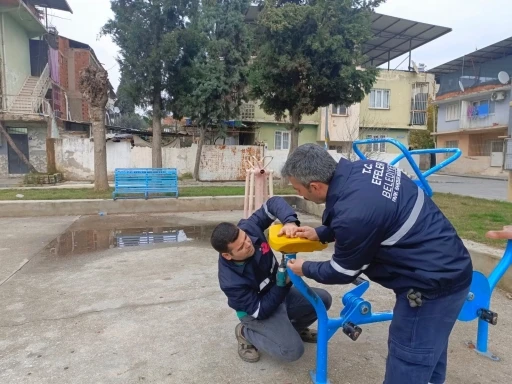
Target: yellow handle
291, 245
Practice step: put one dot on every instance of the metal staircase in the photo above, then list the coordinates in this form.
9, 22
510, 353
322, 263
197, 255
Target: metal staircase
30, 100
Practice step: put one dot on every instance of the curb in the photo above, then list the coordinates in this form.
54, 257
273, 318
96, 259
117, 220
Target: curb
474, 176
41, 208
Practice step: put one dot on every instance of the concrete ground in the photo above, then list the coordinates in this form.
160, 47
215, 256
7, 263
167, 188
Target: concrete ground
82, 310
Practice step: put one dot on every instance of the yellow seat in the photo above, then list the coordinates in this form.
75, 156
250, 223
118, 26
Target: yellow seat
291, 245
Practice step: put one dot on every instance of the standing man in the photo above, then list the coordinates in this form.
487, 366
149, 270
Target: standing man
384, 225
274, 316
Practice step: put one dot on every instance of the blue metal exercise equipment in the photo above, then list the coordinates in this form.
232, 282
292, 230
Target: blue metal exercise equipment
356, 310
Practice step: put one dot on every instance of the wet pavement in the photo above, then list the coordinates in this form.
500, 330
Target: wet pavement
82, 309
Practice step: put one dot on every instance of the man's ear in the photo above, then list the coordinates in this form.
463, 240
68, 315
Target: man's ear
315, 186
227, 256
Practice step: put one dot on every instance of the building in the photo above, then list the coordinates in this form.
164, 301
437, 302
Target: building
25, 79
71, 110
396, 105
273, 134
473, 104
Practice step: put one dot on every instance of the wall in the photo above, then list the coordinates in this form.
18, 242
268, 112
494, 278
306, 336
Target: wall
401, 135
442, 124
266, 134
261, 116
341, 128
75, 159
227, 162
469, 164
400, 85
17, 52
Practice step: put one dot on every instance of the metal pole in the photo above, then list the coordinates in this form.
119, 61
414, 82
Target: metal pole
509, 192
410, 48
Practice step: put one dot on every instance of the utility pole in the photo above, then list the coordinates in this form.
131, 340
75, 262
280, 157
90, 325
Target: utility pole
509, 189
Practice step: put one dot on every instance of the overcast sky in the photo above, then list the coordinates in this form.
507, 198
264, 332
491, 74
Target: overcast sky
475, 24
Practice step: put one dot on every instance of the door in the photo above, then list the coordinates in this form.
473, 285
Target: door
496, 153
20, 138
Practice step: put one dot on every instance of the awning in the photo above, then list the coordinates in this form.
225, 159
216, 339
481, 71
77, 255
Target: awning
494, 51
61, 5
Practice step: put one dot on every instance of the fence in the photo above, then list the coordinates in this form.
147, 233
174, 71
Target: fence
74, 157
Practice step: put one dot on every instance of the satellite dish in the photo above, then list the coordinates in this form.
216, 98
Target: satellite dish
503, 77
461, 86
414, 66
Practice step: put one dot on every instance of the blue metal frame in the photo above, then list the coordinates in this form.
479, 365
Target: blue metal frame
357, 311
479, 298
422, 177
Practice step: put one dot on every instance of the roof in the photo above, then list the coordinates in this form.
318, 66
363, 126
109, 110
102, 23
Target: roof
392, 36
492, 52
61, 5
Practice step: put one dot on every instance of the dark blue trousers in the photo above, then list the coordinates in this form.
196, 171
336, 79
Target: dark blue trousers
418, 339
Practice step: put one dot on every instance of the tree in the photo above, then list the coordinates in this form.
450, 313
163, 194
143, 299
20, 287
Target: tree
148, 35
131, 120
15, 148
309, 57
124, 99
95, 87
218, 52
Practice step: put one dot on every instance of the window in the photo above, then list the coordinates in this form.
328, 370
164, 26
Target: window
340, 110
451, 144
452, 112
375, 147
17, 131
379, 99
419, 102
76, 127
282, 140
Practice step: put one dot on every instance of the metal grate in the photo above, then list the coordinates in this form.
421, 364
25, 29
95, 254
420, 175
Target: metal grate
247, 111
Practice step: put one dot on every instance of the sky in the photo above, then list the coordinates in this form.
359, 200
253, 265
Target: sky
475, 24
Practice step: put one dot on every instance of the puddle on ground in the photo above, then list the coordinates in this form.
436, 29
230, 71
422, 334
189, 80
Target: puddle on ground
86, 241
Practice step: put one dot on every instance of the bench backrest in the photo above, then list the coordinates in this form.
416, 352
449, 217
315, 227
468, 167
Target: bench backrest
146, 179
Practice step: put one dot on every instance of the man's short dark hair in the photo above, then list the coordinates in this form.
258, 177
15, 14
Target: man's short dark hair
223, 235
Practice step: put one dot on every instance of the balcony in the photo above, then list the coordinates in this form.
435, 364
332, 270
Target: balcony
485, 115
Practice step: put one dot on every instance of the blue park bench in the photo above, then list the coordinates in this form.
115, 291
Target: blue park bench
145, 181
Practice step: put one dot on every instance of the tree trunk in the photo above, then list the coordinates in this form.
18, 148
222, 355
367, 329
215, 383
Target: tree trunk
198, 154
15, 148
157, 133
294, 140
100, 149
295, 130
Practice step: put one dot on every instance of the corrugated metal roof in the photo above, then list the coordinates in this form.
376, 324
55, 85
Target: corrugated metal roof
61, 5
494, 51
393, 37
